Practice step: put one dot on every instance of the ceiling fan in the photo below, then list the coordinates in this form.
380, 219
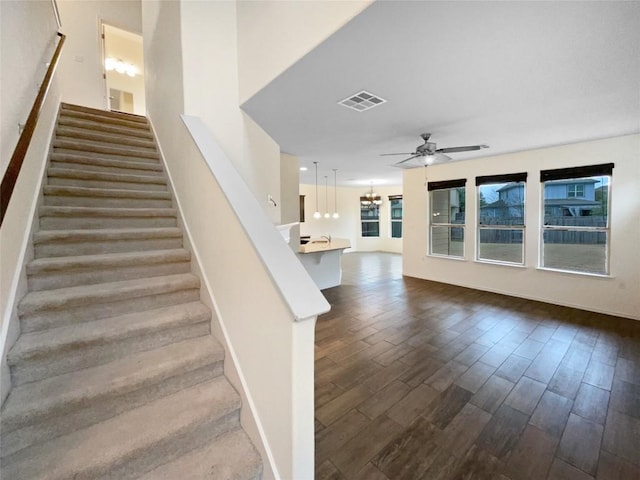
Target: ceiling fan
431, 154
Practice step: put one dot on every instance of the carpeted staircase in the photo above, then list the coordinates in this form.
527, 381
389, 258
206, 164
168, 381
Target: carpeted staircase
115, 373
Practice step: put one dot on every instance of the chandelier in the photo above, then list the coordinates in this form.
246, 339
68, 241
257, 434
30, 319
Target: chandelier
371, 199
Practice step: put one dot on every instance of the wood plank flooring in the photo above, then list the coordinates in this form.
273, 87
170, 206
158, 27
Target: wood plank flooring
422, 380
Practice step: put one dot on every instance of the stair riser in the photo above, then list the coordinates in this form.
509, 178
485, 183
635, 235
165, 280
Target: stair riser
92, 276
74, 201
103, 138
104, 120
105, 156
81, 222
76, 182
63, 146
90, 126
64, 249
68, 418
108, 169
86, 313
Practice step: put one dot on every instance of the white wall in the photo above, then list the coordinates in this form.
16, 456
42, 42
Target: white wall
348, 225
274, 34
617, 295
81, 66
24, 54
210, 63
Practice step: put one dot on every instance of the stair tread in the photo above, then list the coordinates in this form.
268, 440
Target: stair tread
65, 107
52, 210
97, 126
43, 343
100, 147
110, 379
230, 456
44, 236
102, 137
62, 190
57, 264
95, 450
126, 122
78, 173
103, 292
152, 165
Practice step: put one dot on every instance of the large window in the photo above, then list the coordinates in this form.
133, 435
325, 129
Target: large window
370, 220
501, 218
395, 204
575, 227
447, 217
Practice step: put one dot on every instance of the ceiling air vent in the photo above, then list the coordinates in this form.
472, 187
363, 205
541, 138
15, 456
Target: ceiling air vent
362, 101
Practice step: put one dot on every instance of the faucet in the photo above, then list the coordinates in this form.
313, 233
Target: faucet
327, 237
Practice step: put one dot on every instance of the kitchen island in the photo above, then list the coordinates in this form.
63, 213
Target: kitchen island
321, 258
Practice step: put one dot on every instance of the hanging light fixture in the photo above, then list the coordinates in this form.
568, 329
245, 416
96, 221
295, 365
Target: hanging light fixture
316, 215
371, 199
335, 194
326, 198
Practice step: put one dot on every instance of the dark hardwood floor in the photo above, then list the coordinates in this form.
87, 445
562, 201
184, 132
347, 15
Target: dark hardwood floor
422, 380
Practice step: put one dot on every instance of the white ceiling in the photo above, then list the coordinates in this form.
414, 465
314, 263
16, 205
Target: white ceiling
514, 75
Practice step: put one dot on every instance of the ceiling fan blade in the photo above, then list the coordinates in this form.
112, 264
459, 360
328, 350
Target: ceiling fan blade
407, 159
387, 154
441, 157
469, 148
408, 166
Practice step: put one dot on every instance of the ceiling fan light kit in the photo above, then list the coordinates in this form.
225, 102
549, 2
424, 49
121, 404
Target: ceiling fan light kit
430, 154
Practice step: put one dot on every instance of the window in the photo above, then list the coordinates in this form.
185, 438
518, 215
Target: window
447, 217
575, 227
395, 204
576, 190
370, 220
501, 218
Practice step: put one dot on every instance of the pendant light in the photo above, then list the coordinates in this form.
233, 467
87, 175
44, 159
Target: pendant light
316, 215
335, 194
326, 198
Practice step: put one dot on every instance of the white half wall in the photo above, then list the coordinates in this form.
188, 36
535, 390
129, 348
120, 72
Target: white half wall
274, 34
81, 66
618, 294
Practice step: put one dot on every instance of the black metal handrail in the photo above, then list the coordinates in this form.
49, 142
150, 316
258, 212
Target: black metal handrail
17, 159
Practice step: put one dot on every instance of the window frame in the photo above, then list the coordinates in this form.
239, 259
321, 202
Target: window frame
572, 190
440, 186
393, 220
518, 178
369, 221
575, 173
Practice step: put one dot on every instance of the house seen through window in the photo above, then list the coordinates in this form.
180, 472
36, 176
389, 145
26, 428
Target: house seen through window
370, 220
501, 215
447, 201
575, 225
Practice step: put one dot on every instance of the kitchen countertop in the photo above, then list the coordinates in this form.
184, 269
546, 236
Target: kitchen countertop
315, 246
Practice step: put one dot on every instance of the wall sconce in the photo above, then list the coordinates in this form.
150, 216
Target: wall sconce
119, 66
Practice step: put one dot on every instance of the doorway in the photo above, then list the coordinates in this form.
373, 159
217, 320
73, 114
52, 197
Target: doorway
124, 70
